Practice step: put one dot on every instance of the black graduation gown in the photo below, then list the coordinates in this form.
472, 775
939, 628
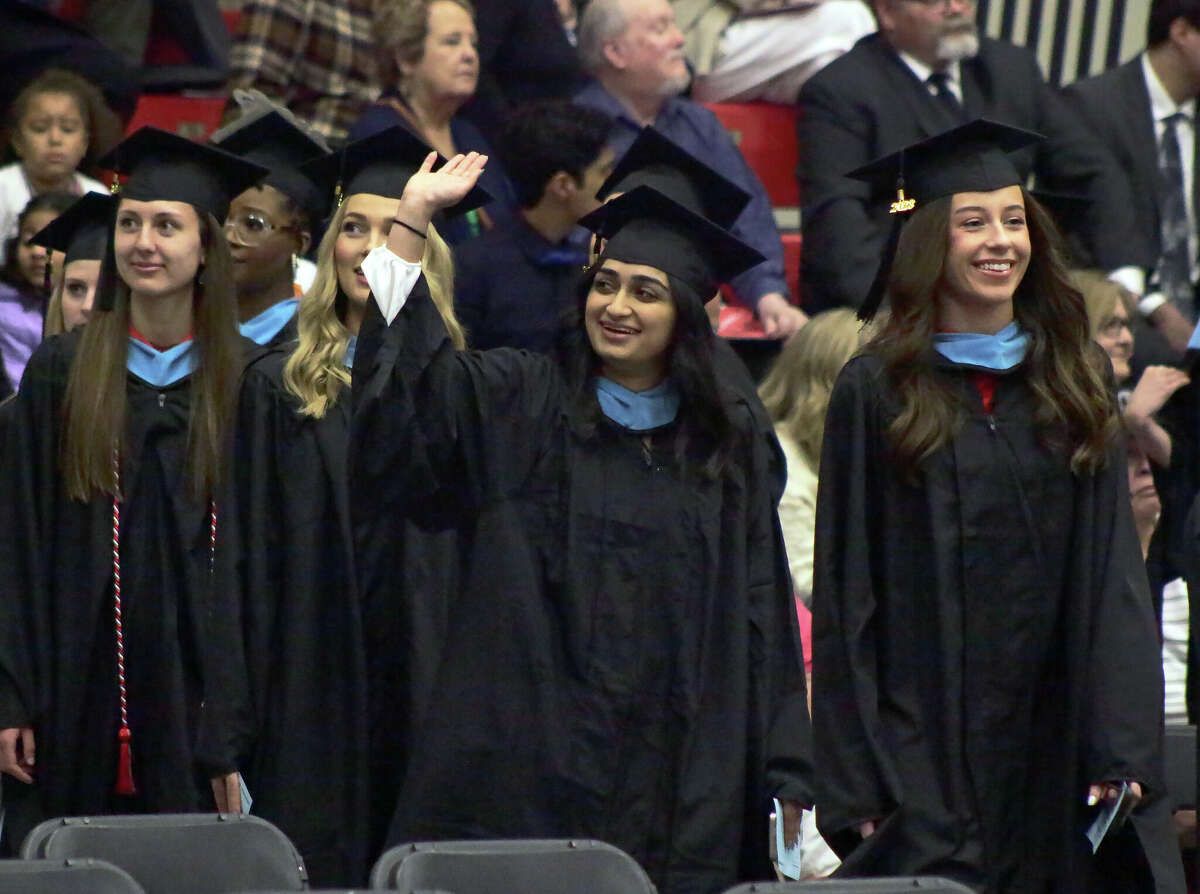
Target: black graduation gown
622, 659
984, 644
304, 638
185, 669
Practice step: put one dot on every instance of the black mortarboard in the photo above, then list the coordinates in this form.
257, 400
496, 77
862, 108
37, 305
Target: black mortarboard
654, 160
81, 232
381, 165
644, 226
267, 137
969, 158
165, 166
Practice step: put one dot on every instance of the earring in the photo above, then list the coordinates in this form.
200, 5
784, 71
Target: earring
295, 266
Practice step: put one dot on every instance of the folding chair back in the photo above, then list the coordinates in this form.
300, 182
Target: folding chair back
187, 853
65, 877
504, 866
896, 885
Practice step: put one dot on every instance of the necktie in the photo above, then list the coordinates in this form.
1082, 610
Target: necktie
1175, 263
940, 82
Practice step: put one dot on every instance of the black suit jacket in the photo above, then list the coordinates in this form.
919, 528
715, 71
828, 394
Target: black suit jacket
868, 103
1115, 106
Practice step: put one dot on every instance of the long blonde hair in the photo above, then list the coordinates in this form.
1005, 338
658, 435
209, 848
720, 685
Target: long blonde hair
94, 410
1101, 296
315, 372
797, 389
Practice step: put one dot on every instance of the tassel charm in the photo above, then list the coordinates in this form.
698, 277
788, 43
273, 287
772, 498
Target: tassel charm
125, 784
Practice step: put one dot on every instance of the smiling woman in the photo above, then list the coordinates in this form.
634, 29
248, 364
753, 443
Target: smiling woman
978, 589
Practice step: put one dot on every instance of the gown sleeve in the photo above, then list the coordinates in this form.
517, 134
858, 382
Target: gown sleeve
1125, 704
857, 781
433, 424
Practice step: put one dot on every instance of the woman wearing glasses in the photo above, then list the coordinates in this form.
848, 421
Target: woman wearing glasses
269, 226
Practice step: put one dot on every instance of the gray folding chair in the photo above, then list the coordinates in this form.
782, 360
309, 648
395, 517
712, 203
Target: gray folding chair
182, 853
65, 877
530, 866
896, 885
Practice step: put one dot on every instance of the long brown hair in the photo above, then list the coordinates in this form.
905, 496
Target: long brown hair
94, 410
315, 372
1075, 408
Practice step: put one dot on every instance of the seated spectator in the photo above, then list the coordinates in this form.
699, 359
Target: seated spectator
23, 284
526, 53
77, 237
743, 50
1110, 314
51, 123
317, 58
429, 65
634, 51
514, 283
926, 71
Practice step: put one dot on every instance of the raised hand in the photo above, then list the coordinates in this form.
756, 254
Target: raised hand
429, 191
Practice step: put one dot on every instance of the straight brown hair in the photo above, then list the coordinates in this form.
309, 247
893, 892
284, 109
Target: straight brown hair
95, 412
1076, 409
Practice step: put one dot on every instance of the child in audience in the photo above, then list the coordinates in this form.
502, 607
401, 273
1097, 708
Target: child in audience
51, 125
23, 285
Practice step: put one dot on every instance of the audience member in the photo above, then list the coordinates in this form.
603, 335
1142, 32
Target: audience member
986, 662
1110, 309
270, 225
124, 688
743, 50
52, 122
525, 54
796, 395
576, 477
23, 290
515, 284
1143, 114
429, 63
317, 58
925, 71
78, 238
634, 50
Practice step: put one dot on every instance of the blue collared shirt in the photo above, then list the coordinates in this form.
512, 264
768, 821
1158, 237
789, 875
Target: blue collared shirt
698, 131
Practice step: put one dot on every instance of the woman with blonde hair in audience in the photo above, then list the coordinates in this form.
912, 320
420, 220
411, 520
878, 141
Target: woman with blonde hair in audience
1111, 310
429, 66
76, 240
299, 543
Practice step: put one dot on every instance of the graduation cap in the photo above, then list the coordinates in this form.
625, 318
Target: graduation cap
81, 232
381, 165
654, 160
970, 158
165, 166
267, 135
645, 226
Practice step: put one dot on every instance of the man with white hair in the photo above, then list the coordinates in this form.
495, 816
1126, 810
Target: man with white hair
925, 71
634, 50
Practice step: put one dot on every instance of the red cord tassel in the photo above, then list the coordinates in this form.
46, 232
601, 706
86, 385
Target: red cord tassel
125, 784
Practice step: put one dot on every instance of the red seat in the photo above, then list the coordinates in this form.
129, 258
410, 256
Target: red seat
194, 117
791, 266
766, 135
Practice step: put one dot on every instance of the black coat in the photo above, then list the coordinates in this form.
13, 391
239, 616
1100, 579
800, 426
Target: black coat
984, 645
622, 659
185, 666
868, 103
304, 637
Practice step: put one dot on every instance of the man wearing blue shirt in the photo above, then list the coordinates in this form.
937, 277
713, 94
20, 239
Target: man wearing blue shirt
634, 51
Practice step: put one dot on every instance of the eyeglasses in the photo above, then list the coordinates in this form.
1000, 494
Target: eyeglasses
251, 228
944, 5
1113, 325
